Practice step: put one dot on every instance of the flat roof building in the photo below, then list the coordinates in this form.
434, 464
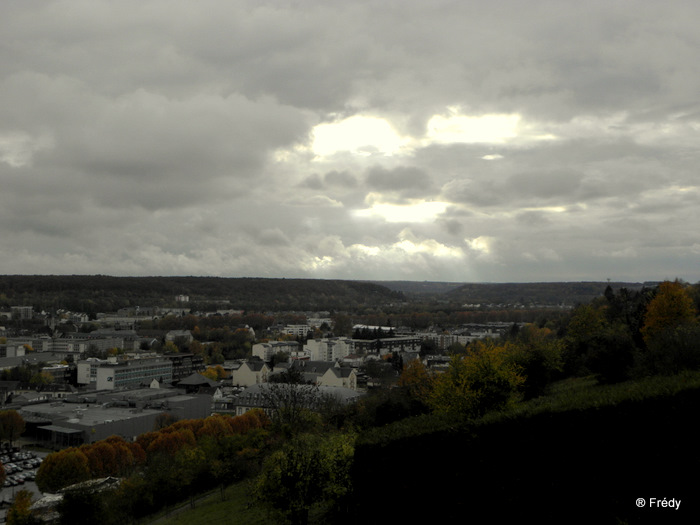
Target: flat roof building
134, 373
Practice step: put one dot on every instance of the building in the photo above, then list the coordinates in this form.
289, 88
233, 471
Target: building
338, 376
86, 418
331, 349
179, 336
266, 351
22, 312
185, 364
297, 330
87, 370
250, 373
326, 373
112, 374
59, 373
387, 345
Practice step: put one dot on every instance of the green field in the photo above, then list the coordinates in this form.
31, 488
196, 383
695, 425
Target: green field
236, 508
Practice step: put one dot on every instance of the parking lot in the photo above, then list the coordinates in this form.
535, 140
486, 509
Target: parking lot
20, 467
20, 471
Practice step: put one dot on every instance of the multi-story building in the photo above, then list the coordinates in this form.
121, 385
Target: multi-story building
265, 351
22, 312
185, 364
297, 330
387, 345
59, 373
112, 374
331, 349
87, 370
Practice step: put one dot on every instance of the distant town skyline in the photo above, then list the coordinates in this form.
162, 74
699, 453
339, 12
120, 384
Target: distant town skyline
441, 141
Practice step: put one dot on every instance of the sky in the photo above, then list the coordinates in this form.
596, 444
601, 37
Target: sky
457, 141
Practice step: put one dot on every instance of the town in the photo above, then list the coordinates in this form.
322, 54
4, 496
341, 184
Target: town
74, 386
139, 410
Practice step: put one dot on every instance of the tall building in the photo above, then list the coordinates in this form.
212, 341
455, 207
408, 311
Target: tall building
22, 312
331, 349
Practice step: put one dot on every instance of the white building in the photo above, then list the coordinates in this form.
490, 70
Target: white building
250, 373
265, 351
297, 330
331, 349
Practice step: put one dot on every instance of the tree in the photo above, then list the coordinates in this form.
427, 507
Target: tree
671, 306
484, 379
82, 506
61, 469
19, 513
215, 373
290, 406
671, 351
537, 352
41, 378
307, 471
417, 380
11, 425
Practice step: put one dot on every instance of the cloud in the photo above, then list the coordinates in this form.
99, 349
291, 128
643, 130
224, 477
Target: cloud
427, 140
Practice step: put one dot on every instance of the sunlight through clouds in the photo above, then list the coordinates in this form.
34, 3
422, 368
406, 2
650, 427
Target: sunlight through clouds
418, 212
362, 135
458, 128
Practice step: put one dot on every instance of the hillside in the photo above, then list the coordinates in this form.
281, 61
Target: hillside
564, 293
100, 293
584, 455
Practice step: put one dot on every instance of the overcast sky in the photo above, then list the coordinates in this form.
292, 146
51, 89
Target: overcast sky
413, 140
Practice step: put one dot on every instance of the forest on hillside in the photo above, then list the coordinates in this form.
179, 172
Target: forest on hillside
101, 293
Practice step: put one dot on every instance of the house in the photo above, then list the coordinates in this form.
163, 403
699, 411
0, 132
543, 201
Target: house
338, 376
7, 390
312, 371
194, 383
250, 373
325, 373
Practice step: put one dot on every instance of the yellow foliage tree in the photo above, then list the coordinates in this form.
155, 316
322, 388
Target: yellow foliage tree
484, 379
215, 373
417, 379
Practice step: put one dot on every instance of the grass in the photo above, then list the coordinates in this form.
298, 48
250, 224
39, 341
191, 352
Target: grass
572, 394
235, 509
584, 393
